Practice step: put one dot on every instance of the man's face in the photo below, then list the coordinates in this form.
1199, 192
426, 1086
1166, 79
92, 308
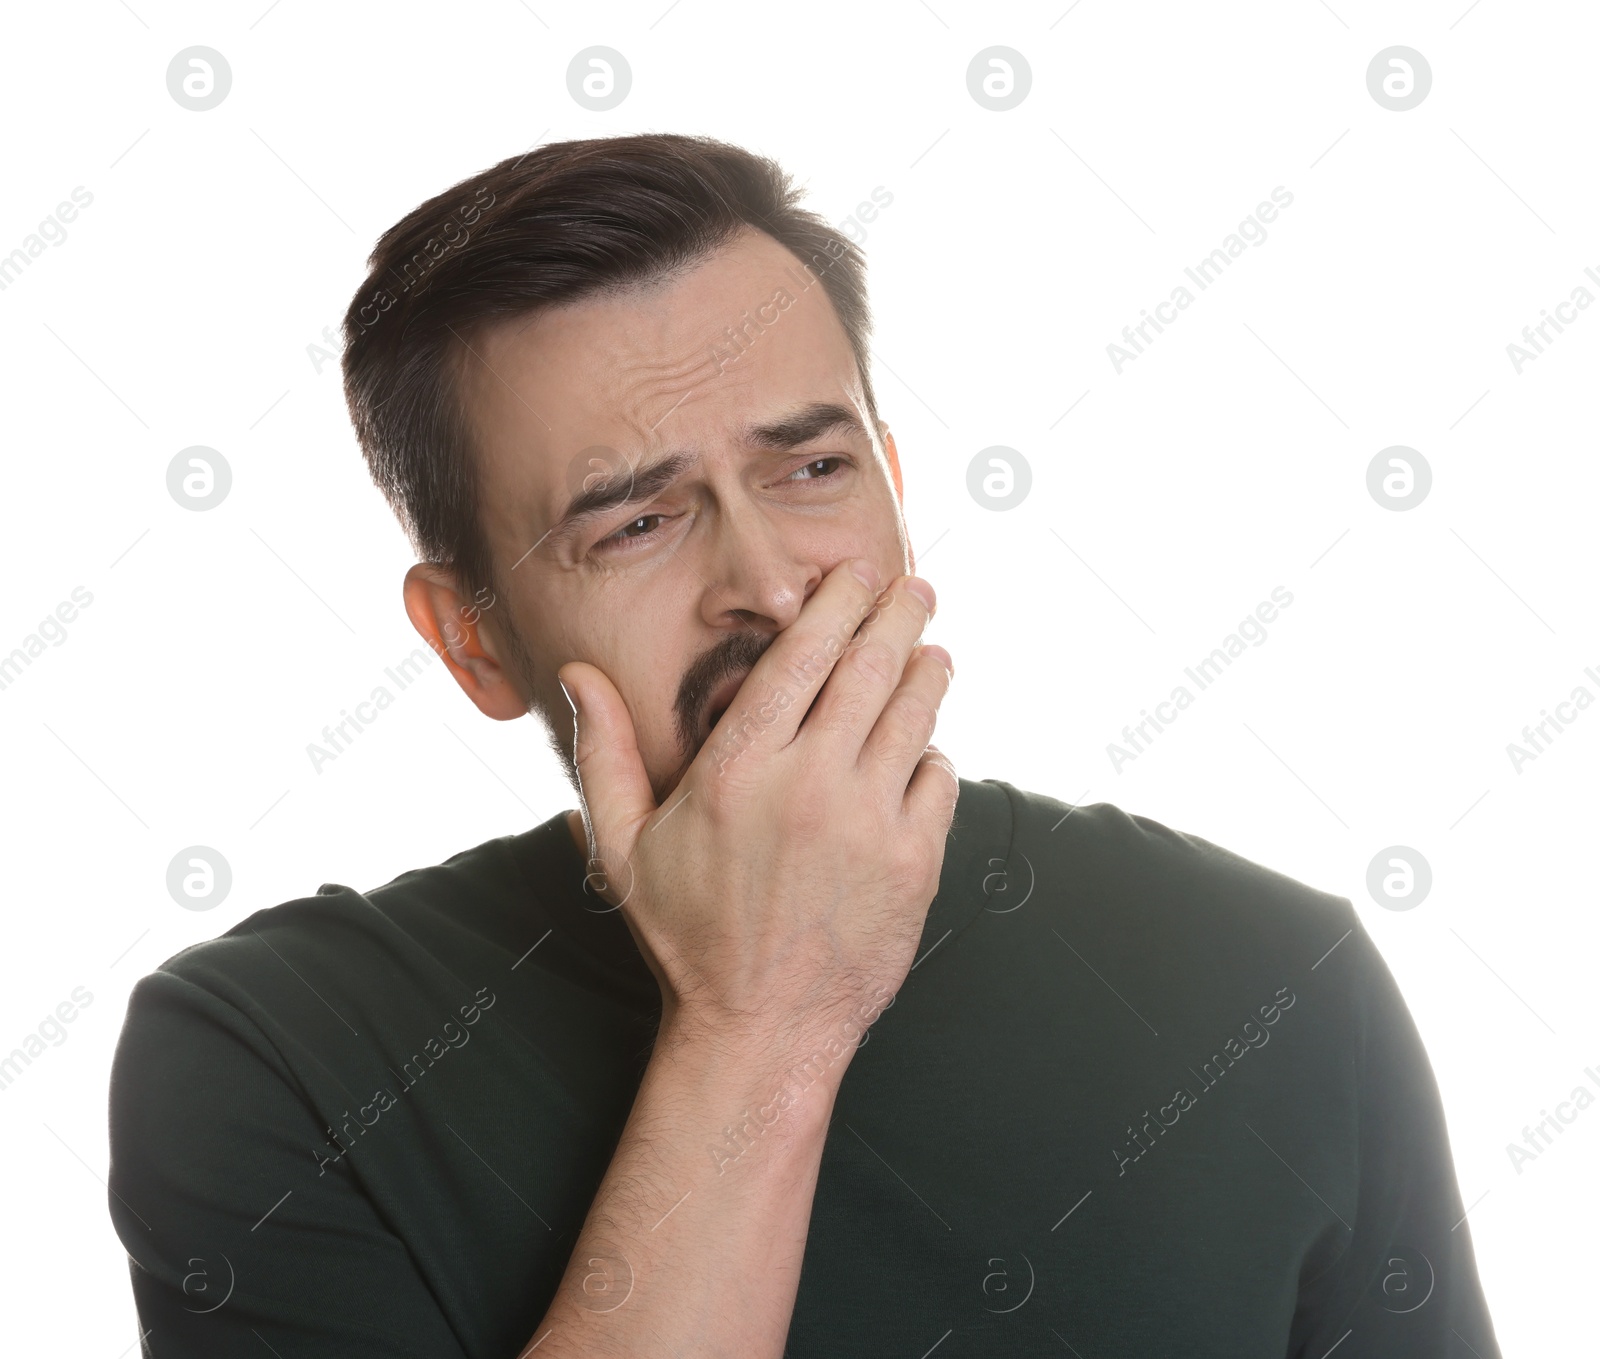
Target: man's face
675, 592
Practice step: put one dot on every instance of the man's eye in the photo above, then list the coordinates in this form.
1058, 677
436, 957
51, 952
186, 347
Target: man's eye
612, 542
810, 468
629, 533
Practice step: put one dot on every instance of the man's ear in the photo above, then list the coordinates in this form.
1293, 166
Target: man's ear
453, 625
894, 463
893, 455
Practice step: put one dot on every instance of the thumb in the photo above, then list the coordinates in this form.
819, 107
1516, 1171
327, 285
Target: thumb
611, 773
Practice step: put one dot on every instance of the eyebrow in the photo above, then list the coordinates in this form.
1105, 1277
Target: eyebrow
801, 426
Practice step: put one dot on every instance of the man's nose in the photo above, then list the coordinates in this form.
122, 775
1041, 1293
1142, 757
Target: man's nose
758, 571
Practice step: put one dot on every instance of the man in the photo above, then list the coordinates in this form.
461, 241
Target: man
605, 1087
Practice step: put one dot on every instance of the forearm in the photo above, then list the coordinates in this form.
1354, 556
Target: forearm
694, 1241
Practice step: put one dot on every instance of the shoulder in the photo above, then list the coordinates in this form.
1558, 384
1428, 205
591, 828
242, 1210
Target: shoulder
289, 1007
1119, 872
338, 933
303, 984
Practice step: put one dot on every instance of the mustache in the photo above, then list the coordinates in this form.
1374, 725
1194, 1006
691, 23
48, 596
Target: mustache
739, 651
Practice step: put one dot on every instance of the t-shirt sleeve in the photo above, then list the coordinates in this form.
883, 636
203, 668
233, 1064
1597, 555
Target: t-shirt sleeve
238, 1241
1405, 1285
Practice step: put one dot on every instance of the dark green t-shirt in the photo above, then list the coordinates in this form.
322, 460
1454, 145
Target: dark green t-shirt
1138, 1096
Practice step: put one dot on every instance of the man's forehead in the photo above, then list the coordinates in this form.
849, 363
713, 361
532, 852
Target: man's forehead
750, 309
631, 377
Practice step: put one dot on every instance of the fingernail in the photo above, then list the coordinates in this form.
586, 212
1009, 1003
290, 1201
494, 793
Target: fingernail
923, 591
942, 656
865, 572
570, 699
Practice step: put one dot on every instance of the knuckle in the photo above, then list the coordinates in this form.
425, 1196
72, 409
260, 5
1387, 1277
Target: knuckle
918, 714
877, 661
902, 743
918, 871
800, 668
938, 803
585, 758
844, 715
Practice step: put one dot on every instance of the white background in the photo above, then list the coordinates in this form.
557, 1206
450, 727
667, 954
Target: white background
1229, 458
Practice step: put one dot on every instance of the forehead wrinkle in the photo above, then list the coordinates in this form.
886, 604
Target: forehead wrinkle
691, 362
647, 397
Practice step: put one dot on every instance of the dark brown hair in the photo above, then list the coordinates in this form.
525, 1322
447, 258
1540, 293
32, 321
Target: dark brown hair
568, 220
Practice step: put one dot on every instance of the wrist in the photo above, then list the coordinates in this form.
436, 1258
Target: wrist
833, 1026
754, 1084
777, 1077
